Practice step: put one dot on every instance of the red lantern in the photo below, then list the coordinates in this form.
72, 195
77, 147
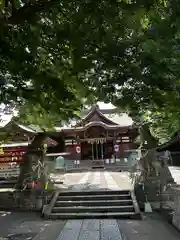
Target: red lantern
78, 149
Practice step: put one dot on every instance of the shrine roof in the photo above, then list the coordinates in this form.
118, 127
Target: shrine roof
12, 125
107, 117
94, 116
122, 120
84, 127
50, 142
26, 128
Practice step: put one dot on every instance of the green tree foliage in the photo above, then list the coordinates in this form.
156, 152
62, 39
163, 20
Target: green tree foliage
54, 54
142, 73
36, 69
13, 12
49, 50
126, 52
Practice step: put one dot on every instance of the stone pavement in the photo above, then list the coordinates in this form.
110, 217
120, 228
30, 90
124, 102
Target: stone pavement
152, 227
91, 229
29, 226
104, 179
94, 180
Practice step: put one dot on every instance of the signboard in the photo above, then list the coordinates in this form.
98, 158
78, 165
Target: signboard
95, 140
78, 149
11, 159
116, 148
12, 155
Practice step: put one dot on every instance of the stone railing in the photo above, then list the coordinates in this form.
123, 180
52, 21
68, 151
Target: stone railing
176, 214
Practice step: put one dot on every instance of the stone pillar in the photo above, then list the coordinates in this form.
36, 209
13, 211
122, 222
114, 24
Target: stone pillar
155, 174
176, 214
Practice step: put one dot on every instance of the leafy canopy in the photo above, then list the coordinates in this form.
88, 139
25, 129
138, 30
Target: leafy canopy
125, 52
48, 49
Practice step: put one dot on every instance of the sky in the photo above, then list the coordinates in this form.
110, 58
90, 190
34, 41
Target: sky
103, 105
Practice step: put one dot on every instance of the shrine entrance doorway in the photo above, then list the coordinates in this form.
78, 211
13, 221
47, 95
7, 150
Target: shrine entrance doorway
98, 150
96, 146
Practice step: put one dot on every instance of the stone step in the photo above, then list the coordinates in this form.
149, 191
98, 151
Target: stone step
94, 197
88, 204
126, 202
99, 209
94, 192
98, 167
74, 215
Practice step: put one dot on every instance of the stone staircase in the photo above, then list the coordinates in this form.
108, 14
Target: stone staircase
93, 204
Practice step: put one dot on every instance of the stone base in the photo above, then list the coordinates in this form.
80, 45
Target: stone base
176, 215
23, 200
176, 222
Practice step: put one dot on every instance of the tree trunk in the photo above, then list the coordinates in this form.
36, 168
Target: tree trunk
147, 140
34, 153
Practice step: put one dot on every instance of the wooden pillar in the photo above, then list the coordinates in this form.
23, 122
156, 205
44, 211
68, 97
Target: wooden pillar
92, 150
96, 151
101, 150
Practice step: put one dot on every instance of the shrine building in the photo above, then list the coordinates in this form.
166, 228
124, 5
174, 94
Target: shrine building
100, 135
